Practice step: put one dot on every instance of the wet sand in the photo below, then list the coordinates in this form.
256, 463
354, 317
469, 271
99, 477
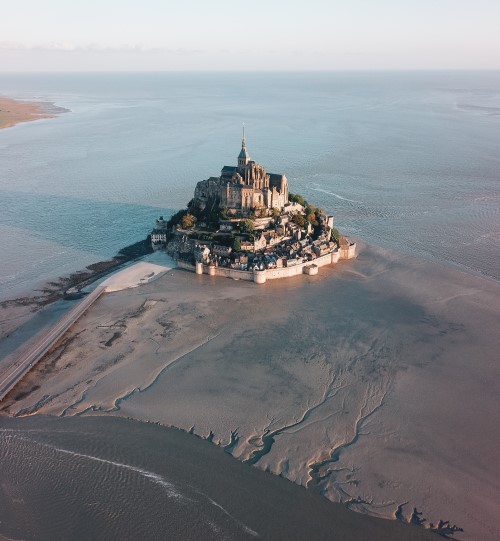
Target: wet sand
109, 478
13, 112
373, 383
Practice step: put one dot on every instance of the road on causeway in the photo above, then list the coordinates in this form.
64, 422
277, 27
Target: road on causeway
43, 344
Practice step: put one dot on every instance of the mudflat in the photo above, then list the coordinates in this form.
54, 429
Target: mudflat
373, 383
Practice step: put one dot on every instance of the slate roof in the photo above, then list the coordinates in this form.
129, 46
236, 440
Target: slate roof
275, 180
243, 153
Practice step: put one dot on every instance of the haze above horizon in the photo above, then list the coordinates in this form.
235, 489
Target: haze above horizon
233, 35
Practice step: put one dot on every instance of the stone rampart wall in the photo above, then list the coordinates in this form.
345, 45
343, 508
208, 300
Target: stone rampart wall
261, 277
348, 252
183, 265
286, 272
230, 273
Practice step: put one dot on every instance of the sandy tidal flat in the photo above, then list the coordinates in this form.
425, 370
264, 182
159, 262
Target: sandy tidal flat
13, 112
373, 383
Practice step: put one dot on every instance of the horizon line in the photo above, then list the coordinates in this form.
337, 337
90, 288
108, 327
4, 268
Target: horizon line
261, 71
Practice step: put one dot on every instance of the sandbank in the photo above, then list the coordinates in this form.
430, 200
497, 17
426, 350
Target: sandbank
134, 276
373, 383
13, 111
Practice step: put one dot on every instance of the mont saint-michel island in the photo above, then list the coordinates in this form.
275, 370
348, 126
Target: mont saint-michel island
245, 224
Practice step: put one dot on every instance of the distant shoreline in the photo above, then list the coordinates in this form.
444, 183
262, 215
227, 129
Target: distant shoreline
13, 111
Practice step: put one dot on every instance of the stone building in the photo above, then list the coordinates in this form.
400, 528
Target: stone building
159, 234
243, 188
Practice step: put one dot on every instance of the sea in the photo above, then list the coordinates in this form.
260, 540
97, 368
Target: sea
408, 161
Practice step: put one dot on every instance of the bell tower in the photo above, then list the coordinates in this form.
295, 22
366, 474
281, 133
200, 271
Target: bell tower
243, 157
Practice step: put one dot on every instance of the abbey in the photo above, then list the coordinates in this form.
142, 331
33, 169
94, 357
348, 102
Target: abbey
243, 188
245, 225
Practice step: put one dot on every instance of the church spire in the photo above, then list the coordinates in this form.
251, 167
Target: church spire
243, 157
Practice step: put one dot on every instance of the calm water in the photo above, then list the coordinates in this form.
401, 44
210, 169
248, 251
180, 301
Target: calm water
409, 161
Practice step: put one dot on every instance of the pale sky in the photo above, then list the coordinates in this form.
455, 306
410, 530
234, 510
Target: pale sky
252, 35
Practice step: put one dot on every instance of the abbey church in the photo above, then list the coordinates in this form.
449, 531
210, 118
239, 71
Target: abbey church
243, 188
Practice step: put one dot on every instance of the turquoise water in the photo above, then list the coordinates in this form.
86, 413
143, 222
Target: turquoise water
408, 161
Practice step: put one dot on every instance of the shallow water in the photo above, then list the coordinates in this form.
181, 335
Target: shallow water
403, 160
110, 478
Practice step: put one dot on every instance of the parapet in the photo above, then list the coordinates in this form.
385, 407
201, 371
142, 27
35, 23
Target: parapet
260, 276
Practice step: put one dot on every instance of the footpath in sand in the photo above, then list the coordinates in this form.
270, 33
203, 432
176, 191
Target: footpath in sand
374, 383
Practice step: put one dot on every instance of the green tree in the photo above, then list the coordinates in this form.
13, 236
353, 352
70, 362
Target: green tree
311, 215
296, 198
298, 219
247, 227
236, 244
176, 218
275, 212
